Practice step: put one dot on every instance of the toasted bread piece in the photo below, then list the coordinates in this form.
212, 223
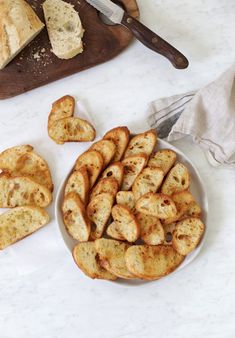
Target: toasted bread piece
149, 180
152, 262
75, 218
20, 191
93, 162
107, 184
99, 211
20, 222
151, 230
86, 258
113, 231
78, 182
178, 179
194, 210
126, 223
163, 159
158, 205
23, 161
112, 257
61, 108
142, 144
133, 165
106, 148
115, 170
71, 129
183, 200
127, 199
120, 136
168, 232
187, 235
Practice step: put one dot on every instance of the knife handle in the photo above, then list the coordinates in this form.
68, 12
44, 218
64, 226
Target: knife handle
154, 42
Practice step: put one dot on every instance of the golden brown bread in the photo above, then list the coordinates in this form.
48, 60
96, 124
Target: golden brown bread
78, 182
158, 205
113, 231
75, 218
142, 144
127, 199
107, 184
86, 258
163, 159
152, 262
120, 136
20, 222
20, 191
112, 257
106, 148
151, 230
178, 179
61, 108
115, 170
133, 165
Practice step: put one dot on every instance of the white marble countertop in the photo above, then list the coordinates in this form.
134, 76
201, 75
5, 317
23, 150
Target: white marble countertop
52, 299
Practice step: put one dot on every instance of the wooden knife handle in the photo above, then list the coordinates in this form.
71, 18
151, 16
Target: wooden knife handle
154, 42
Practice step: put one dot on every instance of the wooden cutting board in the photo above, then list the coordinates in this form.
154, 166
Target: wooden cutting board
36, 65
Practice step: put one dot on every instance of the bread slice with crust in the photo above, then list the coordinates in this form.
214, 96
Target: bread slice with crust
158, 205
152, 262
133, 165
21, 191
149, 180
187, 235
114, 170
78, 182
93, 162
194, 210
20, 222
112, 257
127, 199
71, 129
120, 136
75, 218
113, 231
107, 184
86, 258
163, 159
106, 148
151, 230
23, 161
168, 232
126, 223
178, 179
99, 211
142, 144
61, 108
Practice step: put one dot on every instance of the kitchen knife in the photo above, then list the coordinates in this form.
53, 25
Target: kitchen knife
151, 40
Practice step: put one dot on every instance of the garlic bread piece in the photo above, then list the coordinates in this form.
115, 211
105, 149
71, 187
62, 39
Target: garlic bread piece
93, 162
23, 161
127, 199
78, 182
99, 211
71, 129
142, 144
152, 262
75, 218
114, 170
108, 184
106, 148
133, 165
163, 159
20, 222
187, 235
126, 223
168, 232
86, 258
151, 230
178, 179
158, 205
61, 108
120, 136
112, 257
149, 180
113, 231
194, 210
22, 190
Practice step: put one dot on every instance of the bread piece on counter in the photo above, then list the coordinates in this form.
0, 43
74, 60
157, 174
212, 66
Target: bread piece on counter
61, 108
19, 25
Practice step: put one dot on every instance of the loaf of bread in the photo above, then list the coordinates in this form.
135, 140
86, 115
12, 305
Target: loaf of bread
19, 25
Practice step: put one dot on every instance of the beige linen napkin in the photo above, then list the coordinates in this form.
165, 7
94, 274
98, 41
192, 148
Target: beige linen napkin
207, 115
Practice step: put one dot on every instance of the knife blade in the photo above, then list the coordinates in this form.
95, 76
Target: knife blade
150, 39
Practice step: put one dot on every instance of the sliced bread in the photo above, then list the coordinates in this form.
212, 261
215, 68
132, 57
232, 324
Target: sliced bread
127, 199
78, 182
163, 159
133, 165
106, 148
120, 136
178, 179
107, 184
113, 231
142, 144
114, 170
151, 230
61, 108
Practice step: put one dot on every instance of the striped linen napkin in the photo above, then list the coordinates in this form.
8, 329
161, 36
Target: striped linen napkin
208, 115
